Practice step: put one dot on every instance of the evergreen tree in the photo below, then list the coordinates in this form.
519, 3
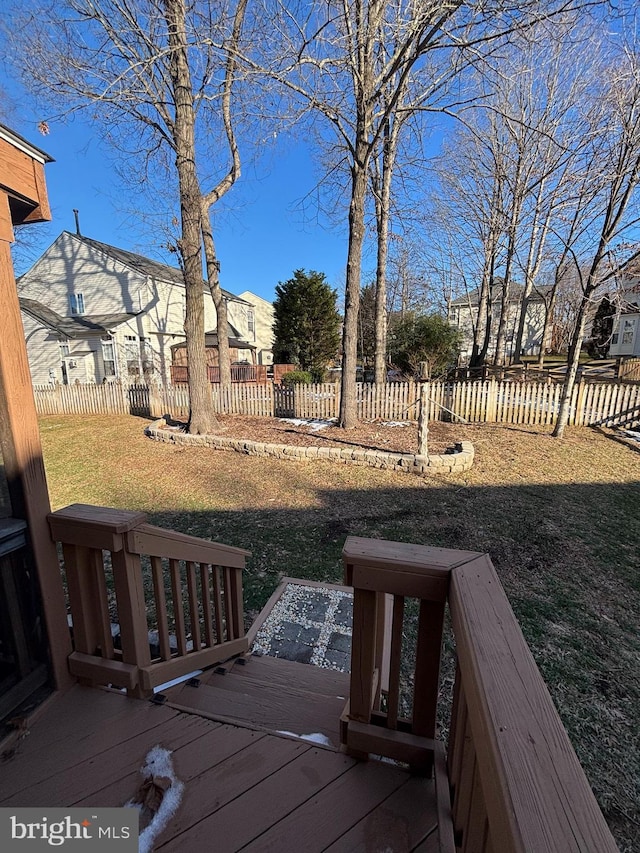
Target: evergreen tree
306, 323
367, 326
602, 328
418, 338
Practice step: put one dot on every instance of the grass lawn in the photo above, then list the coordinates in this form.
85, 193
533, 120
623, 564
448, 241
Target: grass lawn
560, 520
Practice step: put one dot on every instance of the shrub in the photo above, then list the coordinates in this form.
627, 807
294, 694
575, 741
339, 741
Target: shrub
297, 377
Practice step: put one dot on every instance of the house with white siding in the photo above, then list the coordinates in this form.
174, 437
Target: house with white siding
259, 325
94, 313
463, 315
625, 336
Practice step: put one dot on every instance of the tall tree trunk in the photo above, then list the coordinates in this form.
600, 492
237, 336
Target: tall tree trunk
225, 184
481, 328
201, 418
380, 352
213, 276
573, 361
501, 340
348, 413
549, 307
382, 223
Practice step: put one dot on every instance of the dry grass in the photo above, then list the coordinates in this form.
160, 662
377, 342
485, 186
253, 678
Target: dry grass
559, 519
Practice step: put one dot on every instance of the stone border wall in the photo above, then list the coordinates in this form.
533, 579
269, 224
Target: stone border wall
455, 460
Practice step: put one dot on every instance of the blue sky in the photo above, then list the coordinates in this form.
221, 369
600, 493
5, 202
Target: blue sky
262, 236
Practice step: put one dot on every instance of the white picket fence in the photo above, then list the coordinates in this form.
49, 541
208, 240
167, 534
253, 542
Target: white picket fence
488, 401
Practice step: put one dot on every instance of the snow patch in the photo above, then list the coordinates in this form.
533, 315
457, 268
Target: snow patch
396, 423
314, 424
158, 764
314, 737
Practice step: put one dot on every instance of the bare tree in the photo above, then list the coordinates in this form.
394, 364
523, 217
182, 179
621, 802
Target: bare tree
615, 175
349, 61
467, 215
511, 175
156, 74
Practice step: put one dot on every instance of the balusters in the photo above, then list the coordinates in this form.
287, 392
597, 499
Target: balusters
161, 608
206, 604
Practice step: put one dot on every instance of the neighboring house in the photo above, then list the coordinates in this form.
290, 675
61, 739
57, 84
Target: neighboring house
463, 314
625, 337
94, 313
259, 316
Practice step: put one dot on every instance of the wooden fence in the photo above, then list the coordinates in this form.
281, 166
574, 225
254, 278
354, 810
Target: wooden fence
629, 370
490, 401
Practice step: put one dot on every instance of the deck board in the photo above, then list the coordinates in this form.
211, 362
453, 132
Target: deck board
324, 818
243, 789
111, 765
214, 789
79, 726
286, 674
249, 815
398, 824
189, 762
273, 694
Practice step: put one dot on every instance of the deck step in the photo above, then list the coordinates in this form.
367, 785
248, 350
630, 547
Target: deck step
272, 694
279, 672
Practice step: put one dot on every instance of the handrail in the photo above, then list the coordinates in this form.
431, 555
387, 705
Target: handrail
184, 590
383, 574
528, 791
515, 781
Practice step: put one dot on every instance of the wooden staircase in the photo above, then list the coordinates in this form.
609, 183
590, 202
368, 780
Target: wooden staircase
269, 694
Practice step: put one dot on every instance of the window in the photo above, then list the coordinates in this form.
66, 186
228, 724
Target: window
108, 356
146, 354
76, 303
64, 349
132, 354
251, 323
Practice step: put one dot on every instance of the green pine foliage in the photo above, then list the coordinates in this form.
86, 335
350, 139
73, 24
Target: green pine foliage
306, 323
297, 377
602, 328
416, 338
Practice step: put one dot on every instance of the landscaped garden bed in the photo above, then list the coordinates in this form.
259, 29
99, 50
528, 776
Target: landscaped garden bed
370, 444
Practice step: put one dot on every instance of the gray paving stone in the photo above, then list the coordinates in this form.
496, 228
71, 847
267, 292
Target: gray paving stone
314, 607
339, 643
344, 613
299, 652
337, 660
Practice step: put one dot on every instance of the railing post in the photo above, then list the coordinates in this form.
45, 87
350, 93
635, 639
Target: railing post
377, 569
428, 653
363, 650
86, 531
88, 600
132, 614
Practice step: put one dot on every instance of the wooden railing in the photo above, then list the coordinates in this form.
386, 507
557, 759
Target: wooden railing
514, 782
176, 599
239, 373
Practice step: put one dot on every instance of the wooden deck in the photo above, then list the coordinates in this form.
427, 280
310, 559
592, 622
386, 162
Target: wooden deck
272, 694
244, 788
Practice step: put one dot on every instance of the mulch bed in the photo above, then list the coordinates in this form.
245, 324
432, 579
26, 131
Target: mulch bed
376, 435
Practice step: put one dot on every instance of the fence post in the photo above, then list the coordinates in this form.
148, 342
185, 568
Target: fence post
423, 414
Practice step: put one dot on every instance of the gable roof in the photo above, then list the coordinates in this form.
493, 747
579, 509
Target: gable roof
146, 266
472, 297
72, 327
211, 339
